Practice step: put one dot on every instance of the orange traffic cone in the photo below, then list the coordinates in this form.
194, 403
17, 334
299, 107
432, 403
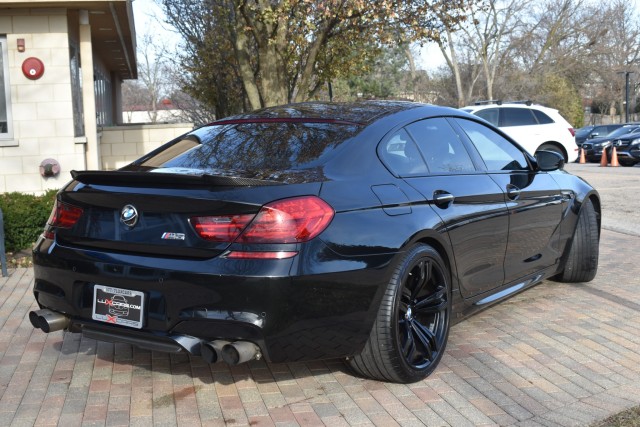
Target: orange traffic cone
614, 157
603, 159
582, 158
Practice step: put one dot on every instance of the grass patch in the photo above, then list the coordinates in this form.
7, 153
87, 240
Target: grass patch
628, 418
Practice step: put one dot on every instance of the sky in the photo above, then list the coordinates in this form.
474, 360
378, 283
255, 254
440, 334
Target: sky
148, 15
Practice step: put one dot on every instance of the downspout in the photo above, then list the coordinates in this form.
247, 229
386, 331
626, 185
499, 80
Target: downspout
92, 151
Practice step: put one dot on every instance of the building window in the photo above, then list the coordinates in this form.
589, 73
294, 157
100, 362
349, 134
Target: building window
6, 123
104, 106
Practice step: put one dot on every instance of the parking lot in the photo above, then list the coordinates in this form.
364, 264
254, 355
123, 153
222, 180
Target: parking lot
557, 354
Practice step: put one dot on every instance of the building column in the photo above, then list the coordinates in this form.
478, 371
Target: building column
116, 96
92, 151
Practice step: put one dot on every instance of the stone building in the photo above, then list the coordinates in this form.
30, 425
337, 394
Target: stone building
62, 66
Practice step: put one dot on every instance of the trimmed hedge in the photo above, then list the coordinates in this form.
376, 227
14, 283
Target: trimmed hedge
25, 216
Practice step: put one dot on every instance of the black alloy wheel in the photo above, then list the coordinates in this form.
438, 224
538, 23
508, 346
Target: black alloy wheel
423, 314
410, 333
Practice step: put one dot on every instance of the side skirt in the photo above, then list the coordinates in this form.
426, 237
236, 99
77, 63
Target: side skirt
464, 308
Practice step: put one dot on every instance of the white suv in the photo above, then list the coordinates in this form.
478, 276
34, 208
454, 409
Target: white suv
534, 127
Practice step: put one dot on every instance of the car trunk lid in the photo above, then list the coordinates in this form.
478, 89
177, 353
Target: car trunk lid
150, 213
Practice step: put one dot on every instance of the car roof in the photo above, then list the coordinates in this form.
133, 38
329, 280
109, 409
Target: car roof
361, 113
505, 104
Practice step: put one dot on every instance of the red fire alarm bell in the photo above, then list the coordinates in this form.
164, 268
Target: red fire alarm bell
33, 68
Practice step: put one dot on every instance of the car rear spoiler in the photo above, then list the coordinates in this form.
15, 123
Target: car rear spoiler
136, 178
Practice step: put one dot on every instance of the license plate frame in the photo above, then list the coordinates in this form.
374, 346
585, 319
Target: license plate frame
117, 306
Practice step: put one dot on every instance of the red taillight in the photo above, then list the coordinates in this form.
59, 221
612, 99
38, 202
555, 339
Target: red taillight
289, 221
63, 215
220, 228
292, 220
572, 131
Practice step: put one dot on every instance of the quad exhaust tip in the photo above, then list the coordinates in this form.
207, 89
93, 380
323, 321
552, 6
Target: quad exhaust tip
233, 353
48, 321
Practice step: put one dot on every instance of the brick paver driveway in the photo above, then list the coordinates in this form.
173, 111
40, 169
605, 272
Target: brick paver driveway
557, 354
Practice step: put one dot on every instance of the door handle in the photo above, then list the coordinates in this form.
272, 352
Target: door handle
442, 199
513, 192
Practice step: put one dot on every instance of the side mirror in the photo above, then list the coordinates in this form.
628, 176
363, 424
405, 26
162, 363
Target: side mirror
547, 161
593, 135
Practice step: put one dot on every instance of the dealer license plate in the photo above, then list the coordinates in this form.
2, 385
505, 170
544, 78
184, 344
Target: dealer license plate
118, 306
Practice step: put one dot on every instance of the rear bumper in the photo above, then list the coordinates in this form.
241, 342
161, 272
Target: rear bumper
293, 309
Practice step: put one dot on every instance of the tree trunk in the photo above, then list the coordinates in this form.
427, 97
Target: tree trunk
244, 67
452, 62
273, 84
304, 89
412, 70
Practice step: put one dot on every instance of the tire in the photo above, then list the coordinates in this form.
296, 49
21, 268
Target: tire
410, 332
582, 261
554, 148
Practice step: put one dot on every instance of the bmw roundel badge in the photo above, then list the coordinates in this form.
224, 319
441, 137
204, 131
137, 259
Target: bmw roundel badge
129, 216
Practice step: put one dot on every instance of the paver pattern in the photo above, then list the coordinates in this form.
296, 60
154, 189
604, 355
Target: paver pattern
557, 354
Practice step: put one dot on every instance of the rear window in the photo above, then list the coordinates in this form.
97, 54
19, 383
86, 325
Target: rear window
490, 114
255, 146
517, 117
543, 119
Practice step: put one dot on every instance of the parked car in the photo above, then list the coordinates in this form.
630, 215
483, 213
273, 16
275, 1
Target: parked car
533, 126
627, 149
312, 231
581, 133
595, 132
593, 148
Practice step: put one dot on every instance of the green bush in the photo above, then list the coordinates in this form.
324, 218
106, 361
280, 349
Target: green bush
24, 218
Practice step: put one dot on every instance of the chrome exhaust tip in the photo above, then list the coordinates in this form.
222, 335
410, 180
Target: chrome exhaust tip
211, 351
48, 321
239, 352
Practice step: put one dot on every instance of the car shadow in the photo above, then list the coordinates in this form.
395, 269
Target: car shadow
142, 363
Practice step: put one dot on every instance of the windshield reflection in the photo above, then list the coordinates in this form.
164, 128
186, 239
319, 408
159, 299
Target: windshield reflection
257, 149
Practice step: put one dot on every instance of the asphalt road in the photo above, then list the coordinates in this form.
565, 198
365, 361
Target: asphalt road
619, 189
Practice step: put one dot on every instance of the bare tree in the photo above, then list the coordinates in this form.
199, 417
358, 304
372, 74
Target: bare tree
617, 50
452, 54
477, 47
155, 79
489, 35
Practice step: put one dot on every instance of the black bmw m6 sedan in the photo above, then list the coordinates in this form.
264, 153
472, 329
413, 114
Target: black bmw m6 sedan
312, 231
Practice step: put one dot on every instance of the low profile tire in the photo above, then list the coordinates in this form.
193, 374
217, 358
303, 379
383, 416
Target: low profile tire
582, 260
411, 329
554, 148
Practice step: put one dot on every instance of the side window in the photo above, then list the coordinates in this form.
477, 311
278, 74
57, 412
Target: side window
6, 128
440, 146
517, 117
401, 155
490, 115
543, 119
497, 152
